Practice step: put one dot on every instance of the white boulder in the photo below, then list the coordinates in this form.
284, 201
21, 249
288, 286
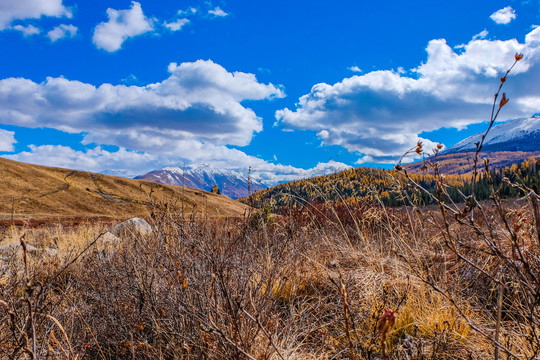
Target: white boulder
134, 226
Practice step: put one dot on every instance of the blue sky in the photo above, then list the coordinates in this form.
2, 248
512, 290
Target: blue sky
290, 88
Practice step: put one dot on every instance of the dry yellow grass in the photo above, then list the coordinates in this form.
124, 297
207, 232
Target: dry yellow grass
48, 193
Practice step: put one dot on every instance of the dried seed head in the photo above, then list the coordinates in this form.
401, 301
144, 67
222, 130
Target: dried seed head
418, 148
519, 57
503, 101
503, 79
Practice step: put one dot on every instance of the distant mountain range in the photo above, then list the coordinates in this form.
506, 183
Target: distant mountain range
514, 135
203, 176
508, 143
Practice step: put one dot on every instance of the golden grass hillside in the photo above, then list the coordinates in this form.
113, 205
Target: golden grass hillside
40, 192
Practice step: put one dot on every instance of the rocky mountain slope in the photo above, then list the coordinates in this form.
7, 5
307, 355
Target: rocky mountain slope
202, 176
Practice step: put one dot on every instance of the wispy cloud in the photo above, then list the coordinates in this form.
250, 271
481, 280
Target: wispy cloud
61, 32
122, 25
217, 11
355, 69
481, 35
190, 11
380, 114
504, 15
176, 25
28, 30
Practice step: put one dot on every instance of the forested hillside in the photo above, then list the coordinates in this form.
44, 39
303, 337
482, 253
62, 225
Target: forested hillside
392, 188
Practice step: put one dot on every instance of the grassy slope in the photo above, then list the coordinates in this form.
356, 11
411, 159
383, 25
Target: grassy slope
34, 191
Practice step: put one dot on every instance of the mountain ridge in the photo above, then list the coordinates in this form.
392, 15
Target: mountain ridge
202, 176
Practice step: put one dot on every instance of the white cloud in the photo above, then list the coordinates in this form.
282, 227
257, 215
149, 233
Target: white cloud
481, 35
504, 15
130, 80
62, 31
190, 11
199, 100
7, 140
217, 12
355, 69
122, 25
381, 114
176, 25
11, 10
28, 30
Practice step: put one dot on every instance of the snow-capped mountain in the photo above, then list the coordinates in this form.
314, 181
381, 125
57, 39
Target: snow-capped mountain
203, 176
514, 135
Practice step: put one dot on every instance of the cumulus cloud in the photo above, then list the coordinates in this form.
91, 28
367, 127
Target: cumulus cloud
62, 31
381, 114
199, 100
217, 12
11, 10
7, 140
28, 30
122, 25
355, 69
504, 15
176, 25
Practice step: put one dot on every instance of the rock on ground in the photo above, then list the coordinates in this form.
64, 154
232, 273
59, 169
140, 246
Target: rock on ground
134, 226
